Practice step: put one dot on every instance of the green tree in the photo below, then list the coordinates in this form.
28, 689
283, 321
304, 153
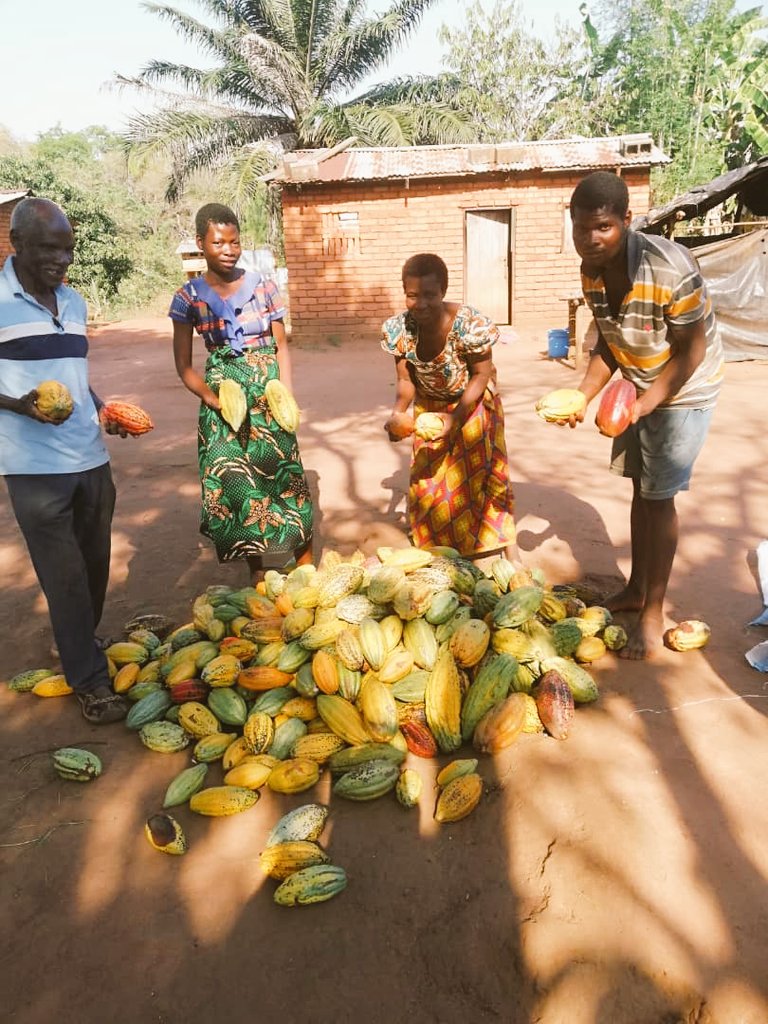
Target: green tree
734, 90
514, 85
281, 77
101, 258
693, 73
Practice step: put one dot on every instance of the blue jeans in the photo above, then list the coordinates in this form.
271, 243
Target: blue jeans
66, 520
660, 450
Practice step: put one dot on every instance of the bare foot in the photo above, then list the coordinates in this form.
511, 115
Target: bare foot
625, 600
645, 639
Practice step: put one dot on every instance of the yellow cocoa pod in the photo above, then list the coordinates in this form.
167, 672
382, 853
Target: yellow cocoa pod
470, 642
296, 622
428, 426
284, 859
442, 698
127, 651
689, 635
233, 404
397, 666
342, 718
218, 801
182, 672
282, 405
317, 746
459, 798
221, 671
304, 708
149, 673
455, 770
235, 753
294, 775
54, 400
213, 746
561, 404
407, 559
590, 648
125, 677
379, 709
408, 788
238, 648
533, 722
250, 774
53, 686
197, 720
258, 732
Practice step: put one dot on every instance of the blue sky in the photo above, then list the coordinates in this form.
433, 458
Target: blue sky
57, 58
54, 63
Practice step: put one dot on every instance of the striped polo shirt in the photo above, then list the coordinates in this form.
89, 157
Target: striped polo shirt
35, 346
667, 289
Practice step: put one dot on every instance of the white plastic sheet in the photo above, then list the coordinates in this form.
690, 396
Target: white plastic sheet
762, 573
736, 272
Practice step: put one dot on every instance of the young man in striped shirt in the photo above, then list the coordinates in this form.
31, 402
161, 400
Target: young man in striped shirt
656, 326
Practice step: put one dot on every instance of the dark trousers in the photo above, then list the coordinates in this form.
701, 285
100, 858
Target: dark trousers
66, 520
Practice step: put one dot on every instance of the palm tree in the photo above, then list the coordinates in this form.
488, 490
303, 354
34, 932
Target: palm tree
282, 76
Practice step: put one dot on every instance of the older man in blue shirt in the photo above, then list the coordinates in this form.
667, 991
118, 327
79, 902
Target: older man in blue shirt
58, 474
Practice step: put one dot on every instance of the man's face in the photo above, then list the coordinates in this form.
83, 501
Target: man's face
598, 235
44, 251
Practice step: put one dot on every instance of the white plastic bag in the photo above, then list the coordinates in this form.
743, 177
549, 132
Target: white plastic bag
762, 572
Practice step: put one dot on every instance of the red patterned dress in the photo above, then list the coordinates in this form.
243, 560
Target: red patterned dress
459, 496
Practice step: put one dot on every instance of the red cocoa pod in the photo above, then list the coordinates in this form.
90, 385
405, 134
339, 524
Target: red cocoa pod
419, 739
554, 702
614, 413
190, 689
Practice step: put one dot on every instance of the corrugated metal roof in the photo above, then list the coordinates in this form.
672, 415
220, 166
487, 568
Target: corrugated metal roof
7, 196
752, 179
387, 163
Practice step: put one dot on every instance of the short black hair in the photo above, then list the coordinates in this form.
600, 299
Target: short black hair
601, 190
214, 213
423, 264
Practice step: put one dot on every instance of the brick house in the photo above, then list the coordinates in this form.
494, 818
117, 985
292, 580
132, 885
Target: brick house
498, 216
8, 201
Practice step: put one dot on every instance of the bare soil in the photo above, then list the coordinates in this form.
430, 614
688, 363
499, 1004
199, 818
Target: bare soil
618, 877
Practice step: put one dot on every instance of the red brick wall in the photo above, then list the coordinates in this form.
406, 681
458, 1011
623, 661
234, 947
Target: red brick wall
6, 209
350, 293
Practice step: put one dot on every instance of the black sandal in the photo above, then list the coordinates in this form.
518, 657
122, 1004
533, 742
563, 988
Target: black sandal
102, 707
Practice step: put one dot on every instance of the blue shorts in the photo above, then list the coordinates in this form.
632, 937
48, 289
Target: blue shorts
660, 450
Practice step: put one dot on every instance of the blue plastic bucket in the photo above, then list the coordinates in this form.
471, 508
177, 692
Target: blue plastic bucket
557, 344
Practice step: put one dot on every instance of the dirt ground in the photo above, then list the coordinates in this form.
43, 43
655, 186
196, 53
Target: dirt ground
619, 877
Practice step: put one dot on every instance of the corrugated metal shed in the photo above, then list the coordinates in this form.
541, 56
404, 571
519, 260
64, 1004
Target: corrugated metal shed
391, 163
750, 181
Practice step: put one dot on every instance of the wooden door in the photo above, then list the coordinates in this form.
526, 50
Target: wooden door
488, 252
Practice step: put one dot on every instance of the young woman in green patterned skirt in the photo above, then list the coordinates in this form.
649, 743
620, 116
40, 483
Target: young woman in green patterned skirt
255, 499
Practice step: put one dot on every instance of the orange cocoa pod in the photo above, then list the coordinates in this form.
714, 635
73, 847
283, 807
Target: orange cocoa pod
400, 425
325, 671
263, 677
284, 604
130, 418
